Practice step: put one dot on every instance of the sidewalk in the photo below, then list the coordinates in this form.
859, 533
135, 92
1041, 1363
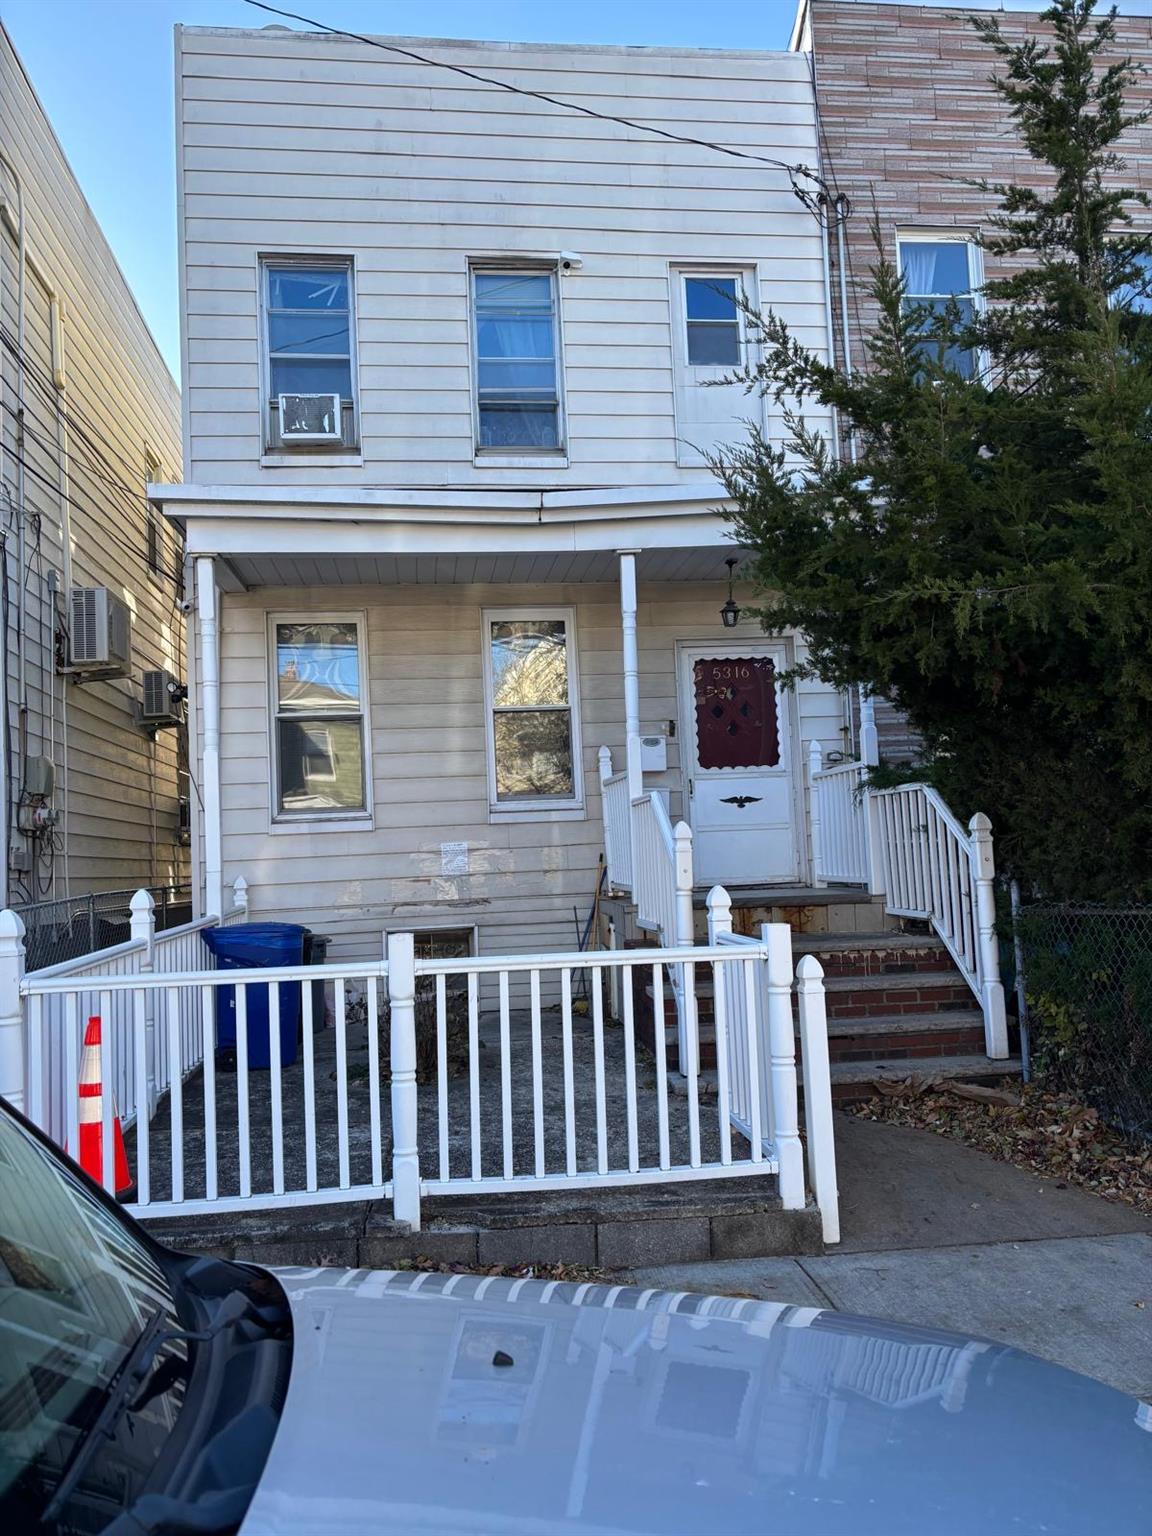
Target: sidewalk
941, 1235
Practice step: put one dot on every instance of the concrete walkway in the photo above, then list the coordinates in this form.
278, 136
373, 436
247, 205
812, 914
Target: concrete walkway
938, 1234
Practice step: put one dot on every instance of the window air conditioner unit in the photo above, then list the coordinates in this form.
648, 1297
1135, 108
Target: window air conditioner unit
310, 418
100, 633
163, 700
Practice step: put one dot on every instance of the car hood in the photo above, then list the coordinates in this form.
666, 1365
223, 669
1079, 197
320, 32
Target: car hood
461, 1403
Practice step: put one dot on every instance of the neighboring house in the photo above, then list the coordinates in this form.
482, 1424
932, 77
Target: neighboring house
908, 119
514, 316
89, 414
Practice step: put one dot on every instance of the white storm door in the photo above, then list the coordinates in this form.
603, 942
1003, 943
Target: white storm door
737, 754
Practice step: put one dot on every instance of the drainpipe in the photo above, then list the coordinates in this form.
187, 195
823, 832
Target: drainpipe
842, 274
631, 691
207, 608
827, 263
21, 605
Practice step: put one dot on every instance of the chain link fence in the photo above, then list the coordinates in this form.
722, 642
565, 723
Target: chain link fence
1088, 983
56, 931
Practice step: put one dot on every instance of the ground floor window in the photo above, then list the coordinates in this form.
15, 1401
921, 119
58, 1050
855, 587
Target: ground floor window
319, 733
533, 712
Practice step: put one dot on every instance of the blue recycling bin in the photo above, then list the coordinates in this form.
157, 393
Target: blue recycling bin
252, 946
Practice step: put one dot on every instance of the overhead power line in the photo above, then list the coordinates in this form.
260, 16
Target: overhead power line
796, 172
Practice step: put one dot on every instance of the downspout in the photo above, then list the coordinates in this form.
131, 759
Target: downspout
827, 264
21, 605
841, 216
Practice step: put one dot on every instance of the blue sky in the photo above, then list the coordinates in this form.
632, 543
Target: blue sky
103, 70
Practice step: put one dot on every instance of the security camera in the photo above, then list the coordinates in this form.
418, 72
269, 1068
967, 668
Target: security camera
571, 261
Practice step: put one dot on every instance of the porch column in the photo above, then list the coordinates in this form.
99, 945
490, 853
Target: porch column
631, 694
207, 605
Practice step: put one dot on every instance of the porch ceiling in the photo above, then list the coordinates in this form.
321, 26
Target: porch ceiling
704, 563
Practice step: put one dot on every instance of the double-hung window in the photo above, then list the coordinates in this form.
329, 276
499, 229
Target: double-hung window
319, 729
516, 351
533, 709
939, 272
309, 334
712, 320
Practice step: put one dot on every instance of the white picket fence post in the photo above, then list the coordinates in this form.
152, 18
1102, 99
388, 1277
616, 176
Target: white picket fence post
719, 905
611, 856
685, 924
142, 921
818, 1094
402, 1014
815, 766
13, 1044
992, 988
869, 737
239, 896
782, 1083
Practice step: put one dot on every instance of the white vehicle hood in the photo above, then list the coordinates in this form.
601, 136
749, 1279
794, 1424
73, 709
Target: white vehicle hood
459, 1403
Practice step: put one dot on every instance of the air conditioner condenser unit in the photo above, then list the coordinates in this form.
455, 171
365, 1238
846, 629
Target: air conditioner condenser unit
163, 697
310, 418
99, 634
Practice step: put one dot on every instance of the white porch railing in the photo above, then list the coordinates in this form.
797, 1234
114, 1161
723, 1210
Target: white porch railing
905, 844
616, 803
525, 1085
171, 951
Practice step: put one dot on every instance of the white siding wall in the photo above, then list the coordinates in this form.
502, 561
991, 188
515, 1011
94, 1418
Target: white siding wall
304, 143
428, 762
122, 790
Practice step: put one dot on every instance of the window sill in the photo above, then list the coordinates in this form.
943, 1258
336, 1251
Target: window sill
557, 460
286, 825
537, 813
353, 460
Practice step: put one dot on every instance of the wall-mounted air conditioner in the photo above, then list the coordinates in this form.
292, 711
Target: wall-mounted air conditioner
99, 634
309, 418
163, 697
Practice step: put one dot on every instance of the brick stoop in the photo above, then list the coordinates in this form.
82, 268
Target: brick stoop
605, 1228
896, 1005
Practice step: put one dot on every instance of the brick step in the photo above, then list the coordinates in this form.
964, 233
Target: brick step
892, 1037
916, 992
855, 954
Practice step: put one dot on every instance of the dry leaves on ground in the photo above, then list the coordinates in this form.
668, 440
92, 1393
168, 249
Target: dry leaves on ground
577, 1274
1052, 1135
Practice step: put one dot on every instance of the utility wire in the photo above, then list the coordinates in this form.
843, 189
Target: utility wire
794, 171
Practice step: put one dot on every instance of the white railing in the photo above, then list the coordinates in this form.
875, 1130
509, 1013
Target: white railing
172, 950
757, 1062
905, 844
839, 825
615, 800
490, 1074
937, 870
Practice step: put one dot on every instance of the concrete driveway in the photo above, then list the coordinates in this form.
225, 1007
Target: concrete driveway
938, 1234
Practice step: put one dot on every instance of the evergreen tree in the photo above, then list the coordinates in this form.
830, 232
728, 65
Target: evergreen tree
986, 560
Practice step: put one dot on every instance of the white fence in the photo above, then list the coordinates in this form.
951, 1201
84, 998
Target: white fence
905, 844
480, 1096
616, 803
174, 950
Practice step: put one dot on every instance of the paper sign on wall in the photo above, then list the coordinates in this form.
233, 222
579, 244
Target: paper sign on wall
453, 858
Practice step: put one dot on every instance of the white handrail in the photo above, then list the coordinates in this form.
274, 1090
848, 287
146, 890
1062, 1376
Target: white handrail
616, 810
843, 851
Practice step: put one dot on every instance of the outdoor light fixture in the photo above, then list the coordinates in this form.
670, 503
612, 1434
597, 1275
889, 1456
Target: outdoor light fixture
730, 613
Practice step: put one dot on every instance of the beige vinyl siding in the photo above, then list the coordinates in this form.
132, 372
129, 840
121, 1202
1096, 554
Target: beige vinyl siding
429, 766
121, 789
312, 144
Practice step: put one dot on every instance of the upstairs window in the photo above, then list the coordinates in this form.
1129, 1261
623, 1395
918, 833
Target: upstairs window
516, 348
319, 728
533, 715
938, 272
712, 320
310, 338
1136, 296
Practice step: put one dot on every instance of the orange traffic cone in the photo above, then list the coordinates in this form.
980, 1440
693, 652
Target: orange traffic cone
92, 1117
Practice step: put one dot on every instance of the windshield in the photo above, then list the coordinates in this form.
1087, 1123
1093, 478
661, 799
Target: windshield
76, 1292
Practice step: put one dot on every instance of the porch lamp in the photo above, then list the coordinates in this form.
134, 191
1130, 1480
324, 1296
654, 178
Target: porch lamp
730, 613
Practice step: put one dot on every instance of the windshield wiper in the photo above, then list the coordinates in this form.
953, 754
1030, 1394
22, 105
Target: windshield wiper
129, 1390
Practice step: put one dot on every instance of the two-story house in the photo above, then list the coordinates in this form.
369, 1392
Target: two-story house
453, 365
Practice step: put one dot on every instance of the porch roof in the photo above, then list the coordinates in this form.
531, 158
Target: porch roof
305, 536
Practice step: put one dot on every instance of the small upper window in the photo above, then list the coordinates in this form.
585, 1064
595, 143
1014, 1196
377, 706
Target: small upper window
1136, 296
937, 273
712, 318
517, 361
309, 335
